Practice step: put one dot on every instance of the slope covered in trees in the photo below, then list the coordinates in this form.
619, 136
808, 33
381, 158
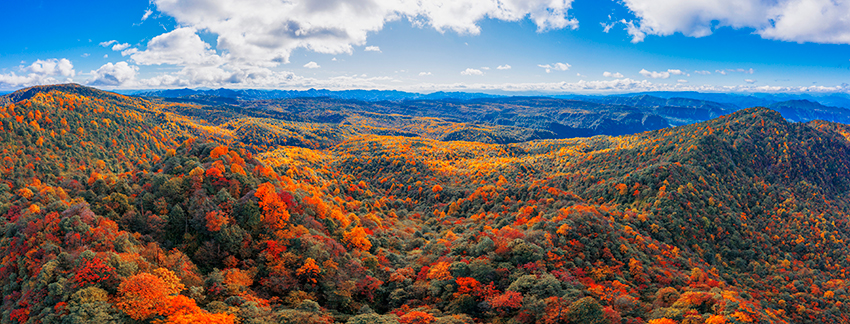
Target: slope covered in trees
122, 210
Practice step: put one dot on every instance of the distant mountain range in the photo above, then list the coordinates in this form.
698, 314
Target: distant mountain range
561, 116
738, 100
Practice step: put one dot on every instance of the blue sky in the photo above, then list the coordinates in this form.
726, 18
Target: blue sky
471, 45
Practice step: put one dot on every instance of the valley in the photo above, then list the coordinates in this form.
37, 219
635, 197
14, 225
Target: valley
156, 209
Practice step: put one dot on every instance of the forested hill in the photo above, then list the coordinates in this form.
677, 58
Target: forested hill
119, 209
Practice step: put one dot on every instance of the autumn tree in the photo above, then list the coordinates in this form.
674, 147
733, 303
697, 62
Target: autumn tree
275, 214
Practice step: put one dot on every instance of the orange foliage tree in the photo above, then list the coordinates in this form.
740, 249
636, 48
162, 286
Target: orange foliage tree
145, 295
357, 238
309, 271
417, 317
275, 214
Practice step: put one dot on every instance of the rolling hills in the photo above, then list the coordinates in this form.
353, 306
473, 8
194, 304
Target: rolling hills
305, 210
533, 117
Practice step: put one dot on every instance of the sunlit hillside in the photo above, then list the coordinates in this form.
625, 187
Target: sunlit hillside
122, 209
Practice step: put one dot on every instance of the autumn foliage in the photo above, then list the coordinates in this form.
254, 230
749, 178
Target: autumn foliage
120, 209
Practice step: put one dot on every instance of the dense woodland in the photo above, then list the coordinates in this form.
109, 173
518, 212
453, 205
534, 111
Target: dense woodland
118, 209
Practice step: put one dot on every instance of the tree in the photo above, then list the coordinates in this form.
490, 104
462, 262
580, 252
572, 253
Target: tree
145, 295
417, 317
587, 311
275, 214
356, 238
309, 272
142, 296
218, 151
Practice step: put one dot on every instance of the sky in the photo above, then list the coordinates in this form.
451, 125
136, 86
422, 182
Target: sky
519, 46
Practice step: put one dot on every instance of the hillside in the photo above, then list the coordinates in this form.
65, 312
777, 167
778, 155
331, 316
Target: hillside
121, 209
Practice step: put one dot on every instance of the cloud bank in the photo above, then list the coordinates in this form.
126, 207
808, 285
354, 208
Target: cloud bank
40, 72
266, 32
815, 21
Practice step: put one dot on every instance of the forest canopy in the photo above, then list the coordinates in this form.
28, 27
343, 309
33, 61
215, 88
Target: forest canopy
120, 209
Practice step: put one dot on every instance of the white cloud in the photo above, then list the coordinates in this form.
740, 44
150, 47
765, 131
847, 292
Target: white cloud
424, 73
266, 32
637, 34
682, 81
40, 72
503, 67
617, 75
312, 65
470, 71
120, 47
750, 81
181, 46
372, 49
485, 68
676, 72
654, 74
117, 74
85, 55
817, 21
555, 66
147, 14
720, 72
750, 71
607, 27
702, 72
107, 43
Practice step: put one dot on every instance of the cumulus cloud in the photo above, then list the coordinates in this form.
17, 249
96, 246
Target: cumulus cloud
555, 67
617, 75
750, 81
52, 67
40, 72
372, 49
720, 72
120, 47
181, 46
116, 46
682, 81
654, 74
424, 73
663, 74
266, 32
816, 21
703, 72
112, 75
503, 67
471, 71
312, 65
